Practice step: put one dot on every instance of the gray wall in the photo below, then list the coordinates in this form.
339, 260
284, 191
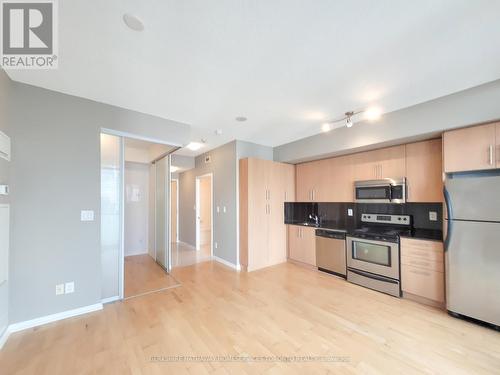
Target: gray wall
224, 166
472, 106
5, 85
56, 173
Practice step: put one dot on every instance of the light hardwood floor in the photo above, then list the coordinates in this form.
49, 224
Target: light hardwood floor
284, 310
143, 275
186, 255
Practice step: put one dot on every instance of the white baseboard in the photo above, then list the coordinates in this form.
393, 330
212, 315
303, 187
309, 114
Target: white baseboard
4, 336
136, 252
110, 299
16, 327
226, 263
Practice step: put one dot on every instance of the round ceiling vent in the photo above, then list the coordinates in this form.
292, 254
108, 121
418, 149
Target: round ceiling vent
133, 22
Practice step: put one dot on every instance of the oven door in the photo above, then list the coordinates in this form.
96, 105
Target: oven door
376, 257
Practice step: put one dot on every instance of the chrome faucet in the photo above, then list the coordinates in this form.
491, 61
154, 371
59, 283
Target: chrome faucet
315, 218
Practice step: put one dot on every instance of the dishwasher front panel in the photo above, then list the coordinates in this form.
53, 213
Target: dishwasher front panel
331, 255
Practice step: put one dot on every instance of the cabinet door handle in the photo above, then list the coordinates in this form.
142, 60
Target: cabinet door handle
313, 194
490, 154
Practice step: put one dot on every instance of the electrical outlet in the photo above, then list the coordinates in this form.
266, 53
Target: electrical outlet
69, 287
59, 289
224, 209
433, 216
350, 212
218, 209
87, 215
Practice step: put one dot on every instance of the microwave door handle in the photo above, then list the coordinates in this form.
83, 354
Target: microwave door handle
390, 192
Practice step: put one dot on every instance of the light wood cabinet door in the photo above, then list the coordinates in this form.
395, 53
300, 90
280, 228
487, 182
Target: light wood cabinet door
302, 244
422, 269
392, 162
498, 144
313, 181
258, 214
424, 171
342, 179
276, 213
304, 186
294, 242
383, 163
470, 149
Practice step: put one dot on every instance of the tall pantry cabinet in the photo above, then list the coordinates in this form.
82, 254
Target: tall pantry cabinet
264, 187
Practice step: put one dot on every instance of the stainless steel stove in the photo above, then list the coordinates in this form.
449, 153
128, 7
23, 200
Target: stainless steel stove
373, 258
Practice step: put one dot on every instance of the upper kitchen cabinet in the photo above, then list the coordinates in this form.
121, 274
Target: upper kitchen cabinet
314, 181
471, 149
341, 179
383, 163
424, 171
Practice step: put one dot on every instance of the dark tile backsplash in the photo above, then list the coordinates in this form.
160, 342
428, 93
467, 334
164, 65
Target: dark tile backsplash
334, 215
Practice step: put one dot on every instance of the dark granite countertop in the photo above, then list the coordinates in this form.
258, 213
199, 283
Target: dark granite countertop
424, 234
419, 234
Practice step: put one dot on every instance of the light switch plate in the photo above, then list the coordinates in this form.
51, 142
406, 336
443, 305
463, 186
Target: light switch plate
59, 289
216, 245
224, 209
350, 212
87, 215
218, 209
433, 216
69, 287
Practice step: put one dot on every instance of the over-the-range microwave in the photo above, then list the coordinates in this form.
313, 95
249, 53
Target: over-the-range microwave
387, 190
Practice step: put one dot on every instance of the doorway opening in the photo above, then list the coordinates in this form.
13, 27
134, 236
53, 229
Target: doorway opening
135, 217
195, 243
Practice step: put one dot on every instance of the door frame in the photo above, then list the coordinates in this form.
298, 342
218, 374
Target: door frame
177, 203
122, 135
197, 211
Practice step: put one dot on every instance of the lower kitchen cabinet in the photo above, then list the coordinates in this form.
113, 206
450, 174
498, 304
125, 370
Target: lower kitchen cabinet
302, 244
422, 270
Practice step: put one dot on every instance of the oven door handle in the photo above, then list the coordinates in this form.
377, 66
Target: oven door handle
372, 276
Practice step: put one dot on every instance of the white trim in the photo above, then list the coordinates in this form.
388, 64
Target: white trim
226, 263
121, 281
21, 326
139, 137
237, 205
4, 337
197, 204
110, 299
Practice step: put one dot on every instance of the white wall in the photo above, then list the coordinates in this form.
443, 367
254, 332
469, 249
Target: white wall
136, 208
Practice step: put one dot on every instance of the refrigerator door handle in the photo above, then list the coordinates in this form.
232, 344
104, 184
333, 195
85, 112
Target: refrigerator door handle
449, 212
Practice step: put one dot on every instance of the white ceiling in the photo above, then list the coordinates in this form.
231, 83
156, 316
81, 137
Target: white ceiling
285, 64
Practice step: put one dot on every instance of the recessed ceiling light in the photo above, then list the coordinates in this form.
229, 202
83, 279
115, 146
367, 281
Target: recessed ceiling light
173, 169
218, 131
133, 22
326, 127
373, 113
241, 119
194, 146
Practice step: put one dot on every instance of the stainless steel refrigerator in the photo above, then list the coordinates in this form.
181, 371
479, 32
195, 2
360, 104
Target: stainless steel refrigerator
472, 246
